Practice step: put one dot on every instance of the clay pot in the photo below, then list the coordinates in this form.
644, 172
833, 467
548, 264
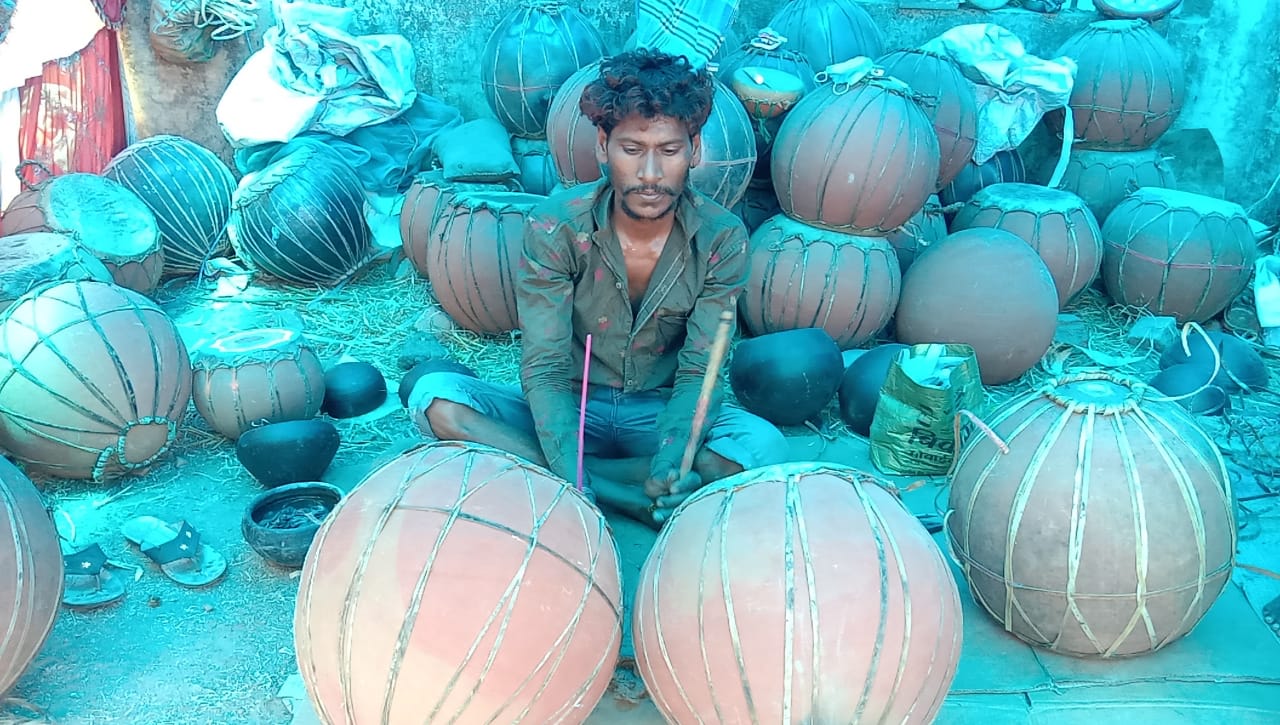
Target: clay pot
828, 31
280, 524
379, 601
786, 377
1004, 167
288, 452
1176, 253
35, 258
802, 276
427, 367
948, 101
352, 389
927, 227
1240, 367
860, 386
1056, 224
188, 189
1108, 510
1129, 89
985, 288
832, 593
94, 380
1192, 380
1104, 178
531, 51
31, 574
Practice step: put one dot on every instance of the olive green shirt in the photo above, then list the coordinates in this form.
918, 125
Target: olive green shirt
572, 281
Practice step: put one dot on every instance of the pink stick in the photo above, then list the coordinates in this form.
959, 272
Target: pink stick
582, 409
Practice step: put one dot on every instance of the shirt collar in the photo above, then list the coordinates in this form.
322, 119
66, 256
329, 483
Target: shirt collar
687, 207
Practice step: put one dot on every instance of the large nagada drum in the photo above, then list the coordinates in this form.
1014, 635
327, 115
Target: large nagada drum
31, 574
802, 276
796, 593
828, 31
459, 584
985, 288
34, 259
256, 377
1177, 253
472, 253
1056, 224
927, 227
861, 159
1104, 178
94, 380
107, 219
1129, 86
188, 189
1107, 529
301, 219
947, 98
531, 51
570, 134
422, 207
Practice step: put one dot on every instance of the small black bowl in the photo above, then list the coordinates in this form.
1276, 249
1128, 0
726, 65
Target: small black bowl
438, 365
288, 452
352, 389
860, 387
281, 523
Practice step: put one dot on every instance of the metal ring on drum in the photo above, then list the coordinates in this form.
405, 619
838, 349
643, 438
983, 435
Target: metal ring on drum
267, 375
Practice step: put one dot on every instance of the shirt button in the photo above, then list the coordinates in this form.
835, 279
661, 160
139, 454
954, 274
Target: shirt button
631, 382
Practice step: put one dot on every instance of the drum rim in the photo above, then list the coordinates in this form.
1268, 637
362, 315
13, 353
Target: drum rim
285, 343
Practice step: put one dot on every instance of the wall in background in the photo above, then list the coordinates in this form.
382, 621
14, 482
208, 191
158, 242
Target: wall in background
1231, 49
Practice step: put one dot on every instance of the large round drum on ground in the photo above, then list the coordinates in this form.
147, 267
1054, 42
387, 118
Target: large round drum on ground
34, 259
948, 100
828, 31
1177, 253
861, 159
531, 51
796, 593
31, 575
802, 276
188, 189
268, 375
927, 227
301, 219
1129, 86
1107, 528
459, 584
94, 380
1056, 224
1104, 178
104, 217
472, 253
986, 288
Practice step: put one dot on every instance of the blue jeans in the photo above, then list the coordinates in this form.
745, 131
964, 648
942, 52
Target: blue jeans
618, 424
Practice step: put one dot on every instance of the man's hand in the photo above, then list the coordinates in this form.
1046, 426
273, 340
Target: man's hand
668, 490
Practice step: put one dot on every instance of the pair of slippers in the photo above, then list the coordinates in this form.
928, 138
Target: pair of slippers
176, 548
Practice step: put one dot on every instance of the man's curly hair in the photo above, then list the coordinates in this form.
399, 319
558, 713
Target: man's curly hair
649, 83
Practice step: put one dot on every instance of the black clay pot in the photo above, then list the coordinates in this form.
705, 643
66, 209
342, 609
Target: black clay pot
861, 384
1238, 357
288, 452
281, 523
1187, 378
352, 389
787, 377
439, 365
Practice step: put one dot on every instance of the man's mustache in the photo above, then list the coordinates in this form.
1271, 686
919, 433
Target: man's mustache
652, 190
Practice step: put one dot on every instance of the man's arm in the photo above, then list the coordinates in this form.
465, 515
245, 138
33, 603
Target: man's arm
726, 277
544, 297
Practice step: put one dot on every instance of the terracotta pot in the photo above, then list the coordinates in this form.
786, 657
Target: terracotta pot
107, 219
32, 259
1056, 224
384, 632
301, 219
94, 380
862, 160
188, 189
352, 389
1129, 89
927, 227
1005, 167
422, 207
267, 375
281, 524
828, 31
796, 593
985, 288
802, 276
295, 450
531, 51
861, 384
786, 377
1177, 253
947, 99
1107, 530
31, 574
474, 247
1104, 178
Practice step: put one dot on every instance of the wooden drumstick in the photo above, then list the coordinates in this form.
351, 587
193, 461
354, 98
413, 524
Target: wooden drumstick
718, 348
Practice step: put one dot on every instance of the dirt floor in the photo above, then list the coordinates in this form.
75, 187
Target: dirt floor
166, 654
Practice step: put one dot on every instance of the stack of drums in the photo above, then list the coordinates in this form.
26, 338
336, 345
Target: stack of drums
947, 98
1129, 89
31, 574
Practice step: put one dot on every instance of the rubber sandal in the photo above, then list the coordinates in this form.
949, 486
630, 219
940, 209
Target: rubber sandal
88, 583
177, 549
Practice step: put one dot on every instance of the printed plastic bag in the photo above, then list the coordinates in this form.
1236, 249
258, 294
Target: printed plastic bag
913, 431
